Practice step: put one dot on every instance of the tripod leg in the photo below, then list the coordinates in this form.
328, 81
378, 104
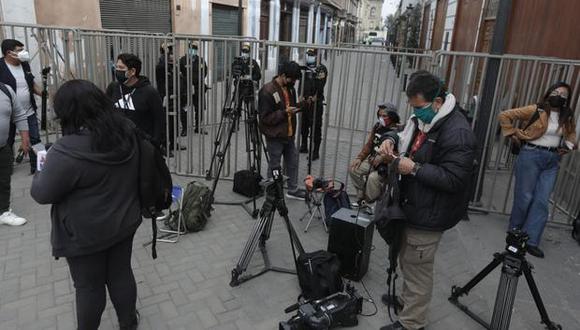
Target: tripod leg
526, 268
506, 294
457, 292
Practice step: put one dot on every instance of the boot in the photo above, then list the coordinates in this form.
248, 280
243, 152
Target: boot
304, 146
315, 152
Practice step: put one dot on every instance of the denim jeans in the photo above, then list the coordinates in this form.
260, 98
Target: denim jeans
281, 147
536, 171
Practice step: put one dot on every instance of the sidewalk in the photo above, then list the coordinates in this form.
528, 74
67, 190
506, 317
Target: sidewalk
187, 287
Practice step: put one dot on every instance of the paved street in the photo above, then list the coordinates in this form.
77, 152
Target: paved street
187, 286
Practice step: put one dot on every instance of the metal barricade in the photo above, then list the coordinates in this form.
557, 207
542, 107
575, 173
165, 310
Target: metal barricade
359, 77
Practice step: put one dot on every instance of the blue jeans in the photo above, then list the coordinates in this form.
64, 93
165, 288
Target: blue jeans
536, 171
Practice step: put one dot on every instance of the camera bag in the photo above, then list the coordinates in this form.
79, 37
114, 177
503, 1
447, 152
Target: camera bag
247, 183
318, 274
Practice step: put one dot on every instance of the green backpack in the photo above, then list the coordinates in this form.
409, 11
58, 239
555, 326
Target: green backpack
195, 209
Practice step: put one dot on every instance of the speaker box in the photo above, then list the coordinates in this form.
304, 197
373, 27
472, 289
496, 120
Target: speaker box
351, 240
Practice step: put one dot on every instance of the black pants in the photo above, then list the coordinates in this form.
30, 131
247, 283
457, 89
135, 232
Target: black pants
312, 124
110, 268
34, 133
197, 111
6, 160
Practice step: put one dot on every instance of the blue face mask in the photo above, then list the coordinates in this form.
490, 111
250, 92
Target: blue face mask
192, 52
425, 113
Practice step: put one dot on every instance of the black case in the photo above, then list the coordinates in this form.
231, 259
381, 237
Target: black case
247, 183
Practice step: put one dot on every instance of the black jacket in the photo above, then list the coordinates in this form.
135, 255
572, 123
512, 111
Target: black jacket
94, 196
148, 113
7, 78
314, 81
437, 197
160, 77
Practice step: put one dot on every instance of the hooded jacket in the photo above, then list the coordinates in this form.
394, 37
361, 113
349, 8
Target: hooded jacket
275, 122
94, 196
142, 104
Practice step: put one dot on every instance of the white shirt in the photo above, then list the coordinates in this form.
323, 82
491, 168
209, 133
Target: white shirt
553, 135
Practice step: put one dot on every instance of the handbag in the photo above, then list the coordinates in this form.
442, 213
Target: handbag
389, 215
516, 147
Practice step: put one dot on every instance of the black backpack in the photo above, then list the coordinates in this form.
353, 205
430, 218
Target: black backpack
318, 274
576, 228
155, 183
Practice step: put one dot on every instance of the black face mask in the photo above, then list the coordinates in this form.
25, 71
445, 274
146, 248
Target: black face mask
121, 76
556, 101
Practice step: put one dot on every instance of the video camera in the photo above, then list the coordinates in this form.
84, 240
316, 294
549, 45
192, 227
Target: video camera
382, 169
241, 68
337, 310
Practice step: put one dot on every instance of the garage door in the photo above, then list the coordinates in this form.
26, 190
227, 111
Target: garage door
136, 15
224, 22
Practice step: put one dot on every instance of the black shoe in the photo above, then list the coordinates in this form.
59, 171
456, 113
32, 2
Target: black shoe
316, 156
303, 150
396, 326
388, 301
298, 194
181, 148
32, 170
184, 132
535, 251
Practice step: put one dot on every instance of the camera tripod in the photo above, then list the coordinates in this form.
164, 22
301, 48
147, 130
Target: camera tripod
262, 229
514, 264
241, 102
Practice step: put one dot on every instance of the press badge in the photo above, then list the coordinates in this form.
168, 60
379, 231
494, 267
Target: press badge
276, 97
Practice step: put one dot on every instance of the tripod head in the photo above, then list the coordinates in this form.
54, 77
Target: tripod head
516, 243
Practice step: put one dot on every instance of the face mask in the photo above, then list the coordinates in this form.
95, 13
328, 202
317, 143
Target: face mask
556, 101
192, 52
425, 114
245, 56
290, 83
23, 56
310, 59
121, 76
384, 122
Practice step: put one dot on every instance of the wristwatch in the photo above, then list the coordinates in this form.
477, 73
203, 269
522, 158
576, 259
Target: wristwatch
415, 169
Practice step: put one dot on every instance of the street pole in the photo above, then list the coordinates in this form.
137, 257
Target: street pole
240, 17
489, 89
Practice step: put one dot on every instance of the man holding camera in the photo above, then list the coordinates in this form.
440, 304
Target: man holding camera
435, 161
278, 107
368, 169
315, 75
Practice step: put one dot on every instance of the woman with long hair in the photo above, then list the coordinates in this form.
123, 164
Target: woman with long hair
550, 132
90, 178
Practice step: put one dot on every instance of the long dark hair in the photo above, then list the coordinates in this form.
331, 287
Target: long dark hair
79, 104
566, 113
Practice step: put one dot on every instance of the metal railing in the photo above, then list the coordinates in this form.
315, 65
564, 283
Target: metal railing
358, 79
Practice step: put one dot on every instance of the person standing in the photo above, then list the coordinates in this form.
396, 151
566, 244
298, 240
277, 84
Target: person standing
435, 161
11, 112
315, 77
91, 179
193, 71
277, 107
550, 133
15, 72
133, 94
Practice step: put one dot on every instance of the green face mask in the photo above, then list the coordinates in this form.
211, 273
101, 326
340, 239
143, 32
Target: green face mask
425, 113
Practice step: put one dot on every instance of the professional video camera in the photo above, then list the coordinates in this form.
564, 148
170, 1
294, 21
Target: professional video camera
339, 309
382, 169
241, 68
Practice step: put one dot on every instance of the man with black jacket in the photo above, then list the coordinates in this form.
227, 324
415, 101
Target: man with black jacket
15, 72
134, 95
277, 106
314, 80
192, 67
437, 150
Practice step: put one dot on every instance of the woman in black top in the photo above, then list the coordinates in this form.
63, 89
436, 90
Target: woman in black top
90, 178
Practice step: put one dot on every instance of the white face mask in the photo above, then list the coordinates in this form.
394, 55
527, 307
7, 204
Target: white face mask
245, 55
23, 56
382, 122
310, 59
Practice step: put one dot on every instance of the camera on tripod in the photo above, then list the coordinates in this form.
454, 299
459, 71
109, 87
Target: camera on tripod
337, 310
241, 68
516, 241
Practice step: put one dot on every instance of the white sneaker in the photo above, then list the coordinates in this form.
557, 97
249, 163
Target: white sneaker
11, 219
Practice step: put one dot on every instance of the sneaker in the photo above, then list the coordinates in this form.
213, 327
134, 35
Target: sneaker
298, 194
11, 219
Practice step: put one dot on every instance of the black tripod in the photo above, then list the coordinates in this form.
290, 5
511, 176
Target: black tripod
241, 102
262, 229
514, 264
43, 108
